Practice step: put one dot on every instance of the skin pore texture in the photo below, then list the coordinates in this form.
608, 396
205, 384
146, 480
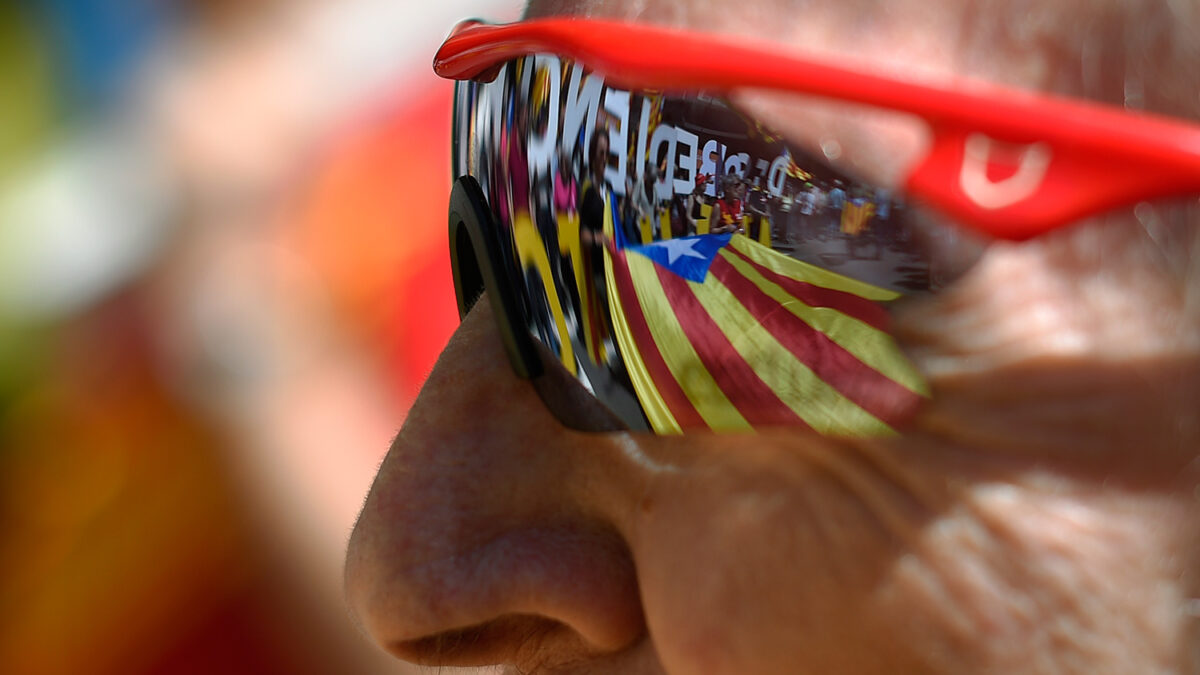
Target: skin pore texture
1040, 515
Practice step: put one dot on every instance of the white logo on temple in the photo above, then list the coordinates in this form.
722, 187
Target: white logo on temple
990, 194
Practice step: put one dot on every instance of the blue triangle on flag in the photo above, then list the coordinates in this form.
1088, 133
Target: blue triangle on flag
689, 257
618, 226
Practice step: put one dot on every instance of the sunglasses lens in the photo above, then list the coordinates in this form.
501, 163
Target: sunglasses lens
691, 268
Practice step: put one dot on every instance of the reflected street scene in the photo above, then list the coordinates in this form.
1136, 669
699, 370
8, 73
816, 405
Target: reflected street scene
640, 221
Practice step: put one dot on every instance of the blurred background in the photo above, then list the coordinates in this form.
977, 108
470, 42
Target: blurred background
223, 277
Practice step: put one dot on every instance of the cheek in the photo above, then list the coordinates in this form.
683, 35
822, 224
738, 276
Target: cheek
700, 565
756, 567
1046, 571
877, 559
1101, 292
1078, 343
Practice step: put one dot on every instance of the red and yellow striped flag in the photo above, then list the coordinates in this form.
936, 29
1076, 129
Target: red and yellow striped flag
856, 215
793, 169
759, 339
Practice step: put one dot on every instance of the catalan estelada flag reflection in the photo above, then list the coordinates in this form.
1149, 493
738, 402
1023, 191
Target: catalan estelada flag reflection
721, 332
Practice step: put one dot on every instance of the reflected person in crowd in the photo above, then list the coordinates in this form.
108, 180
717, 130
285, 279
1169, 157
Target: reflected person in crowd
1041, 513
730, 206
835, 199
758, 210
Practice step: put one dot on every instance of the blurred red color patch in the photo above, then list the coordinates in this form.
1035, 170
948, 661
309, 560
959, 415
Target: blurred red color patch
374, 223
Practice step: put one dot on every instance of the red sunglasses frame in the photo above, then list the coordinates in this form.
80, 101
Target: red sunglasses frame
1080, 158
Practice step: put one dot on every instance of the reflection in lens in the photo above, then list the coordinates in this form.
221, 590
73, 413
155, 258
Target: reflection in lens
657, 237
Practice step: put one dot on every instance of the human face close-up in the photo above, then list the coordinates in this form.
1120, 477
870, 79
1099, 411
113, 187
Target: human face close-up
1039, 512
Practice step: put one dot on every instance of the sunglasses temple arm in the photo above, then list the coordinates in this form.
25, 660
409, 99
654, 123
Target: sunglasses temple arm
476, 263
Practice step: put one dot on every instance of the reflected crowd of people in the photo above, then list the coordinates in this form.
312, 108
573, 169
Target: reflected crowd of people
610, 179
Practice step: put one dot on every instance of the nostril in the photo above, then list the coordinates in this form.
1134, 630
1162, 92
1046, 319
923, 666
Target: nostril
513, 639
490, 538
565, 592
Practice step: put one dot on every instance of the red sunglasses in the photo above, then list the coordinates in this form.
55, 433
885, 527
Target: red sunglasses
694, 270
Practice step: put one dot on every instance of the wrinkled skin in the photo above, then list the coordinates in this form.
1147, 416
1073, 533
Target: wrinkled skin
1041, 514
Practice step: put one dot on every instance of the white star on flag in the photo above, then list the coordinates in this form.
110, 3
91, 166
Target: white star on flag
678, 248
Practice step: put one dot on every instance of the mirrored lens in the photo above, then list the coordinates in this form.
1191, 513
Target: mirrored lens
687, 264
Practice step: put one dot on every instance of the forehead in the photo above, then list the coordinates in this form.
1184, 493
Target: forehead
1031, 43
699, 14
820, 25
771, 18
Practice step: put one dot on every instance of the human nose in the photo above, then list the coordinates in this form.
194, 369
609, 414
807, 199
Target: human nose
492, 531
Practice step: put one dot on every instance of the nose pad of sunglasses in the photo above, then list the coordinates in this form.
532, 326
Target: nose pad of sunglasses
567, 399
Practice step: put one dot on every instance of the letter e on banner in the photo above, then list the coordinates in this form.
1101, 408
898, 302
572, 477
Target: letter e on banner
688, 145
616, 102
663, 134
548, 73
583, 102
